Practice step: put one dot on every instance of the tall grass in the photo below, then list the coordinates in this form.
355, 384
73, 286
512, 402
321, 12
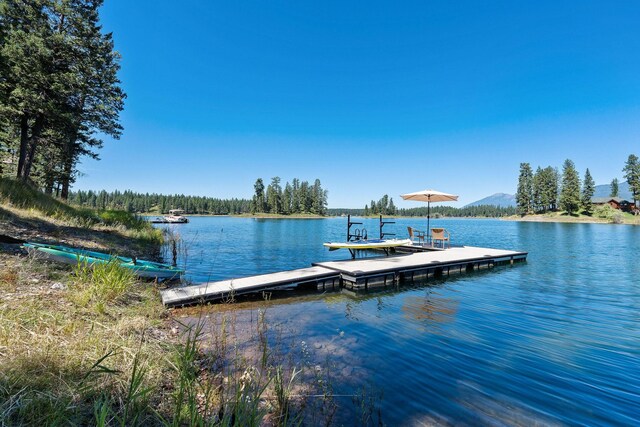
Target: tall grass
100, 283
22, 196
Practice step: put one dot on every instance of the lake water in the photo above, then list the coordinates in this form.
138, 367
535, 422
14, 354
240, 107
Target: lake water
555, 340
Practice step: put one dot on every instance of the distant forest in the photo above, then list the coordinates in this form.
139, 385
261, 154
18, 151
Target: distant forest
299, 197
145, 202
159, 203
486, 211
385, 206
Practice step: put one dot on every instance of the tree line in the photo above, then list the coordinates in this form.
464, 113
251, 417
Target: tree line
482, 211
547, 190
59, 89
145, 203
384, 206
297, 197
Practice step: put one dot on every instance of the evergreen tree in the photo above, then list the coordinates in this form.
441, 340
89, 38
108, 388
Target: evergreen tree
366, 210
59, 86
383, 204
274, 196
588, 188
319, 199
524, 195
259, 204
287, 199
296, 196
570, 193
538, 190
551, 188
615, 191
632, 175
306, 199
391, 210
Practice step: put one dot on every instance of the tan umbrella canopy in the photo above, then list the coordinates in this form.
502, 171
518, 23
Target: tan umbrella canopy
429, 196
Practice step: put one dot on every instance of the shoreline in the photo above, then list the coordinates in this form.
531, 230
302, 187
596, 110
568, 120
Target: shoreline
571, 220
298, 216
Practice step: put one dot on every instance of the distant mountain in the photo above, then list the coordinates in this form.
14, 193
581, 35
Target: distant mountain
604, 190
509, 200
499, 199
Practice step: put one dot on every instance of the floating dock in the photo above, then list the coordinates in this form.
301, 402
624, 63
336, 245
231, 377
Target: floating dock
352, 274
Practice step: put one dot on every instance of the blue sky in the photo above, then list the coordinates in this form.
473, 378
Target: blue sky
372, 98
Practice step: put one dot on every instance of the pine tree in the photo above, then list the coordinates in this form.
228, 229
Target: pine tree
391, 210
570, 194
296, 196
552, 185
538, 190
588, 189
632, 175
384, 204
258, 204
319, 197
524, 195
287, 199
59, 89
305, 197
615, 191
545, 189
274, 196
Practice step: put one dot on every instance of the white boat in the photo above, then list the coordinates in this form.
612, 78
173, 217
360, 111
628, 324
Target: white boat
175, 217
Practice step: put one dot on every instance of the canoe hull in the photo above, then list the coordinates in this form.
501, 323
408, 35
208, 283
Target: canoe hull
141, 268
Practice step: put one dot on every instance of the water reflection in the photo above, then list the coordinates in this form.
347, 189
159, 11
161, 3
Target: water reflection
430, 309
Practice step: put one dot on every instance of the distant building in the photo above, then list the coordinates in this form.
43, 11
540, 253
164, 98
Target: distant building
615, 202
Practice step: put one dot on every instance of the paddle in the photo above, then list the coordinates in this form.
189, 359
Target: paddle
11, 240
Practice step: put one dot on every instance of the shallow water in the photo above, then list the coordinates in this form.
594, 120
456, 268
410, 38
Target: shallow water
555, 340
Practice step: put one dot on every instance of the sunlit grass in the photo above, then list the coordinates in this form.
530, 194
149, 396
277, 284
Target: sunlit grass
100, 284
15, 194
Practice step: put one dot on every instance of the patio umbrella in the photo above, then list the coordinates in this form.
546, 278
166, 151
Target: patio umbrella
429, 196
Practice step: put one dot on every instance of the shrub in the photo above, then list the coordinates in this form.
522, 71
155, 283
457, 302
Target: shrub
605, 212
618, 218
126, 219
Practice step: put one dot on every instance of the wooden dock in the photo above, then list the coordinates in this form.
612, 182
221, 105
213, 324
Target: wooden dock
353, 274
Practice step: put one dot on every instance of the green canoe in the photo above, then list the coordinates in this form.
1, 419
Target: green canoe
67, 255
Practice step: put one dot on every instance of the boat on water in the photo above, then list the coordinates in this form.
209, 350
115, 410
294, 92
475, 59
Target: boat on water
175, 217
67, 255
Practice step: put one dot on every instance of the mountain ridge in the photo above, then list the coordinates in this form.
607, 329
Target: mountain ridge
502, 200
509, 200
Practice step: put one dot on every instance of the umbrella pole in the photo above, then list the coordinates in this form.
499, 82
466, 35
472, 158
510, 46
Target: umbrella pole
428, 219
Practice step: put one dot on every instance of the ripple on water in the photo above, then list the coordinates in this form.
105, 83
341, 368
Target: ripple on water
554, 341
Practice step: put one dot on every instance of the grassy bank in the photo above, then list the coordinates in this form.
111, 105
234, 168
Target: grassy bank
72, 341
601, 215
27, 213
95, 346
